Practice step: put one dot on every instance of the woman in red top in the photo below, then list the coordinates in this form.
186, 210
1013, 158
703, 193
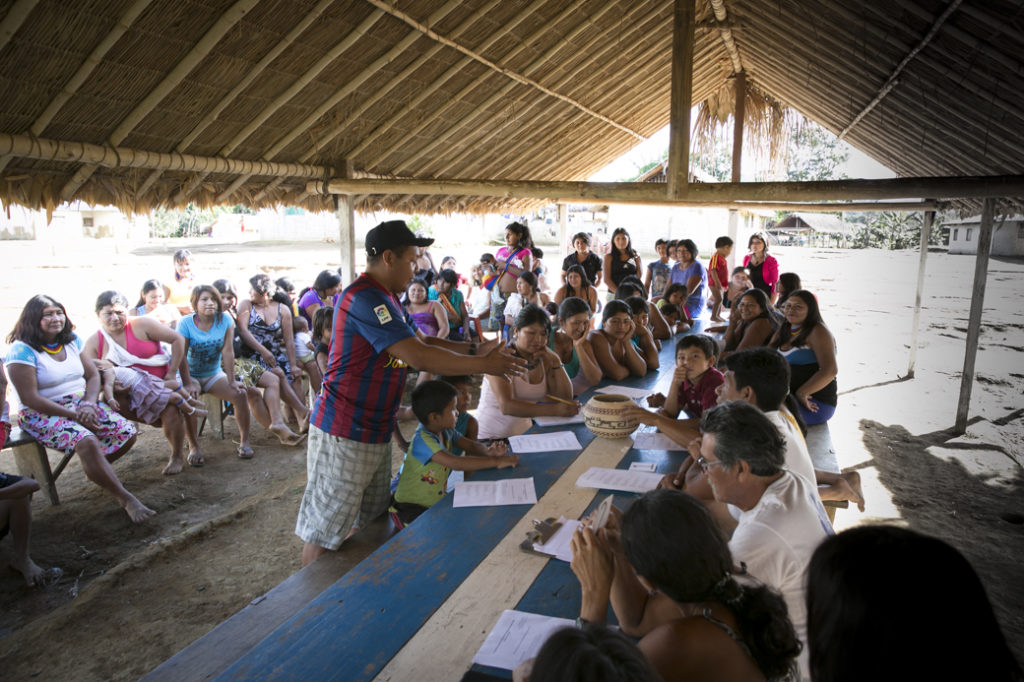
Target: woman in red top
763, 268
141, 338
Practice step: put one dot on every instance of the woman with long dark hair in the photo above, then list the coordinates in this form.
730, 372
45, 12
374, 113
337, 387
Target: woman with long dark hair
508, 405
810, 350
325, 286
753, 323
761, 265
621, 260
577, 285
511, 260
59, 398
570, 343
616, 355
715, 627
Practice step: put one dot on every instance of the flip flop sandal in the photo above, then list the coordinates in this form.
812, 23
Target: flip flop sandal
196, 461
245, 452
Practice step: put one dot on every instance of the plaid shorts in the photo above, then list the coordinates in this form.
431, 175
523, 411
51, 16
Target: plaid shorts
347, 483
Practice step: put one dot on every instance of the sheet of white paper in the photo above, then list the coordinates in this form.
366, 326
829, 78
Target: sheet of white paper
618, 479
635, 466
635, 393
558, 545
559, 421
645, 440
495, 493
545, 442
454, 478
516, 637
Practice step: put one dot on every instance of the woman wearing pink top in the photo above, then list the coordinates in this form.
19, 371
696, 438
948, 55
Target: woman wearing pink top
763, 268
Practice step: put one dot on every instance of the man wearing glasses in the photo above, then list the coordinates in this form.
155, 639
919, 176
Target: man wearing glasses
780, 517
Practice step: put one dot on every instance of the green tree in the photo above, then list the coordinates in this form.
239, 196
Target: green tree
814, 154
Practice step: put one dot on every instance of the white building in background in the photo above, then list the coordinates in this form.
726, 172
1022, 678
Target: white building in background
1007, 236
71, 222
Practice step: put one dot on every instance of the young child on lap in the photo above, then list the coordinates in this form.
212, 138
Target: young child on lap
429, 459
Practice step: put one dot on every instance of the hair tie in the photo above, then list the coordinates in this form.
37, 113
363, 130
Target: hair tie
727, 590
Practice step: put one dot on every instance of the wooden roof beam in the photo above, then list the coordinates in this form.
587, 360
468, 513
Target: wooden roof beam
975, 187
28, 147
426, 30
460, 95
583, 76
38, 127
198, 52
240, 87
677, 169
305, 79
893, 79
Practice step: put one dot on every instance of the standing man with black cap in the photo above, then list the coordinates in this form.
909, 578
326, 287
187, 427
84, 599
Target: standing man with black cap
348, 460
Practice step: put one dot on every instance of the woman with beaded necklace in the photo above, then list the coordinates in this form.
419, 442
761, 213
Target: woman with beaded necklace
59, 394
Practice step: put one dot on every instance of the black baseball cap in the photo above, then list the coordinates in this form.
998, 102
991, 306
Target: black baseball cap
393, 234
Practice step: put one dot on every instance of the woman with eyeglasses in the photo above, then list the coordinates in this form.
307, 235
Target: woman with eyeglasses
762, 266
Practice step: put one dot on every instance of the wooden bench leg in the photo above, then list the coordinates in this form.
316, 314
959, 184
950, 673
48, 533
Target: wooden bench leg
32, 461
215, 408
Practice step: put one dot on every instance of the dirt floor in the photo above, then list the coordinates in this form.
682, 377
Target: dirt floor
133, 595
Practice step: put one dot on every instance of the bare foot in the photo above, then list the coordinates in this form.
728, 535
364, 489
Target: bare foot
285, 435
34, 576
137, 511
174, 466
852, 481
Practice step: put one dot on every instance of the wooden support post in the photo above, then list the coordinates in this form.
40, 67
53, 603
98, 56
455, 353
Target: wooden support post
926, 231
974, 320
738, 114
678, 169
343, 210
563, 228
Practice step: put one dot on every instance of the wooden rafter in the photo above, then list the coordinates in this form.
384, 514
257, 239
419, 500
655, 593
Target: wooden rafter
677, 169
250, 77
893, 79
38, 127
426, 30
201, 49
298, 85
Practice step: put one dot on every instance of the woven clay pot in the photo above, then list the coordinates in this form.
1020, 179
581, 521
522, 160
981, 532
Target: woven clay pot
603, 415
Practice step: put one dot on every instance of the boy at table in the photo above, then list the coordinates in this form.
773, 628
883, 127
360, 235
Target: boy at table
695, 380
429, 459
349, 448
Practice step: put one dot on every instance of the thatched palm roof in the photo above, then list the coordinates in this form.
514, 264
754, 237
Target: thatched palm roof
497, 89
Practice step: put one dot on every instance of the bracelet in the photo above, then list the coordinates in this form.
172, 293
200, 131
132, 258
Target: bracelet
580, 622
86, 403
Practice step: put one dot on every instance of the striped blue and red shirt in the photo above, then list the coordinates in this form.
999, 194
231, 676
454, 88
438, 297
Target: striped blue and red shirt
362, 388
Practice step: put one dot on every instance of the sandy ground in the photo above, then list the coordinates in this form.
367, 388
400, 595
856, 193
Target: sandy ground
131, 596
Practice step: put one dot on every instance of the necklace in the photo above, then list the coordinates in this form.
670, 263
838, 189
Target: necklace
794, 329
54, 348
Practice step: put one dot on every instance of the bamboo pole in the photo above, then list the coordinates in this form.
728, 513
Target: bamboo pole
824, 190
202, 48
718, 7
926, 230
677, 170
124, 157
866, 206
563, 228
246, 81
974, 319
426, 30
739, 117
345, 213
893, 79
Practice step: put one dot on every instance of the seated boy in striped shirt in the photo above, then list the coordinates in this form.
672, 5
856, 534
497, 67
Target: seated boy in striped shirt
429, 459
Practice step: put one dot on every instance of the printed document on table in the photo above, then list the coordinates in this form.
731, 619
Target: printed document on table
618, 479
645, 440
634, 393
516, 637
544, 442
495, 493
558, 545
559, 421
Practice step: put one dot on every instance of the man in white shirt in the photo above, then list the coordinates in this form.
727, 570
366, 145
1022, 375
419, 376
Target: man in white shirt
782, 520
